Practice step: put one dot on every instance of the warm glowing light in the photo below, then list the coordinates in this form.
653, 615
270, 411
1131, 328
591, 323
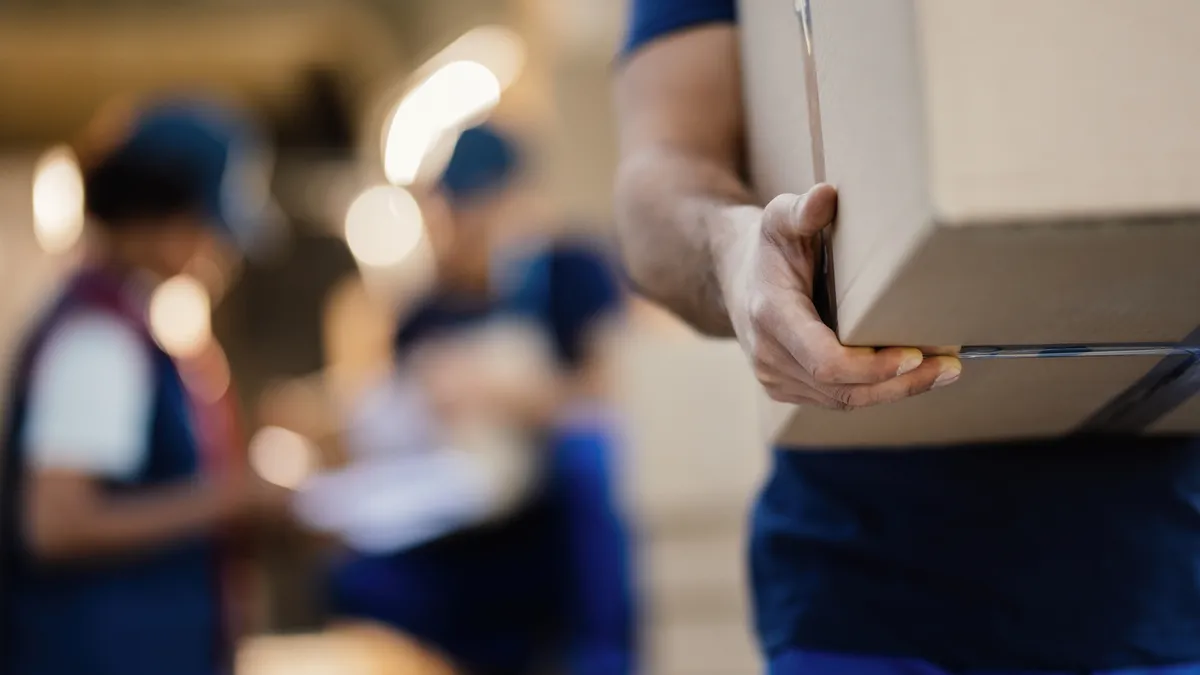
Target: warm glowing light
384, 226
282, 457
499, 49
455, 94
58, 209
181, 316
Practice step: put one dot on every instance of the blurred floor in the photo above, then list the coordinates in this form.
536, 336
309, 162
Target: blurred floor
346, 650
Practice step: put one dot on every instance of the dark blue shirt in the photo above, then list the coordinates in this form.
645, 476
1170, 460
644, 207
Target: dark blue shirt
568, 288
554, 579
154, 613
1072, 555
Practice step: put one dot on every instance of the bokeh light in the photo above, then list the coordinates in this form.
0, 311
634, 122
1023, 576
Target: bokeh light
499, 49
58, 206
181, 316
384, 225
457, 93
283, 457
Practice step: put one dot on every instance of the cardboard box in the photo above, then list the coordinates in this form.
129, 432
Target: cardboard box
1000, 399
1011, 172
1183, 420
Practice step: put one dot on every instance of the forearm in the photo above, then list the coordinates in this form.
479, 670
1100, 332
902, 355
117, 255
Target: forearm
679, 215
73, 525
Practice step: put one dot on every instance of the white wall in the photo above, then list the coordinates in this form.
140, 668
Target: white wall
26, 273
694, 463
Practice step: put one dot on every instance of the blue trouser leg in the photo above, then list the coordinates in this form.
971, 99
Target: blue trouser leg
815, 663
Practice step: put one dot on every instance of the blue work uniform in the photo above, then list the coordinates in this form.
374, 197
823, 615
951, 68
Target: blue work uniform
551, 582
1059, 556
569, 288
154, 613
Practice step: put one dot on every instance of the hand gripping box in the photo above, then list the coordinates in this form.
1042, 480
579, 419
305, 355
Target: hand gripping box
1011, 172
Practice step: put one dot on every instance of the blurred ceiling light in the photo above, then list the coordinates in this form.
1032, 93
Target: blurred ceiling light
384, 225
499, 49
453, 95
180, 316
58, 209
282, 457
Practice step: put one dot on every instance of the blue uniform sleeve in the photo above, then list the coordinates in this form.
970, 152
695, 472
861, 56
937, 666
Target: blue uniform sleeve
652, 19
600, 596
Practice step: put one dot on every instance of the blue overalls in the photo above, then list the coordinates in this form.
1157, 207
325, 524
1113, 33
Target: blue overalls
151, 614
551, 582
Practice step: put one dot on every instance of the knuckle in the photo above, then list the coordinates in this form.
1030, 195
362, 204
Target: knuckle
916, 388
778, 395
827, 372
844, 398
839, 406
765, 375
778, 391
781, 211
762, 358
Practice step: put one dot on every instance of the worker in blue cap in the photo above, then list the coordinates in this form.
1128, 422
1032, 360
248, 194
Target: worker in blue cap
114, 507
549, 581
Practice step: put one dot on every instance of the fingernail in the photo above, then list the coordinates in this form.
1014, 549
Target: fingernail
947, 377
910, 363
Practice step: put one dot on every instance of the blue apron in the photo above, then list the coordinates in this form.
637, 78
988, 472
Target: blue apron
150, 614
553, 581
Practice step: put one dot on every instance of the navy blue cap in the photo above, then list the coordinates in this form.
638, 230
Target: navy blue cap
568, 288
178, 156
484, 162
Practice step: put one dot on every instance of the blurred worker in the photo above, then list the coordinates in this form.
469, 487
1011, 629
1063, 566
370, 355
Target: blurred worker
114, 502
1060, 556
549, 577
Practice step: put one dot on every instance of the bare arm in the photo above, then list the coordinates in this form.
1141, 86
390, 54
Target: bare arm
91, 400
694, 239
70, 517
679, 196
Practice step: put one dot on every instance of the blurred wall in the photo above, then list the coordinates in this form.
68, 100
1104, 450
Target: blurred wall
695, 457
26, 274
695, 460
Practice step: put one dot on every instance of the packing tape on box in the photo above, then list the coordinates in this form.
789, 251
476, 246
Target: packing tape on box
1076, 351
1168, 385
824, 291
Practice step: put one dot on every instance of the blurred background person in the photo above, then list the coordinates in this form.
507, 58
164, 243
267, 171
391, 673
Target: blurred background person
119, 483
351, 94
503, 548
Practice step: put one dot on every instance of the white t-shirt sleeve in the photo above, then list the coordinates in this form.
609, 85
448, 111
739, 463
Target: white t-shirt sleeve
91, 397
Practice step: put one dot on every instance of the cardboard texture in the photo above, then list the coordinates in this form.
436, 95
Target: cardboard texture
1183, 420
1011, 172
1001, 399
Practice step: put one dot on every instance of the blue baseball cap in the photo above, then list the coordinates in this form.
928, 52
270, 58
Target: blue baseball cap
184, 156
484, 162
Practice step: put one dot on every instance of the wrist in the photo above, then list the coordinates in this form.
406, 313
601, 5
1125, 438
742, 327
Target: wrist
731, 247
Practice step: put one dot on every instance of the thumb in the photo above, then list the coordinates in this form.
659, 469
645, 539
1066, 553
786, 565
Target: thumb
791, 217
